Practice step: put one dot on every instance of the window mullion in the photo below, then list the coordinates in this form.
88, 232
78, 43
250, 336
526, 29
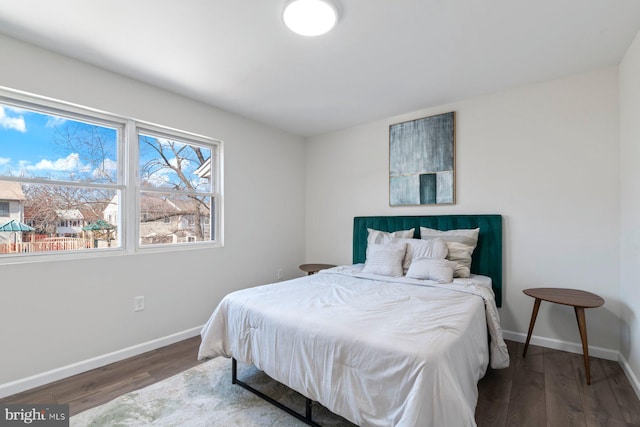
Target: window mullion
132, 191
100, 177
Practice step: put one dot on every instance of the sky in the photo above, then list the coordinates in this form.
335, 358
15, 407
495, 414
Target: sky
31, 145
34, 144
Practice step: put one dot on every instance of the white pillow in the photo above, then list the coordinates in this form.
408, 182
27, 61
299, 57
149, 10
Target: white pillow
460, 243
385, 259
377, 236
439, 270
417, 248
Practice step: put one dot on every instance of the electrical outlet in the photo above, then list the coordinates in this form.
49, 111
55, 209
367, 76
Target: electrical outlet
138, 303
279, 274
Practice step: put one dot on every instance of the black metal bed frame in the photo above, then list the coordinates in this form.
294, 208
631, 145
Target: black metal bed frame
308, 402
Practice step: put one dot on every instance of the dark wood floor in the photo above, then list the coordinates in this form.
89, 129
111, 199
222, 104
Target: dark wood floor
547, 388
98, 386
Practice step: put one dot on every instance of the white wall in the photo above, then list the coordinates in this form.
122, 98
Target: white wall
53, 314
544, 156
630, 205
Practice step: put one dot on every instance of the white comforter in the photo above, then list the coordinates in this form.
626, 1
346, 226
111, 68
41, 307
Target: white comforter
375, 350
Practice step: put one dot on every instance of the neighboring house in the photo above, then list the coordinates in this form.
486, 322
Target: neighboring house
110, 213
165, 221
11, 207
70, 223
204, 171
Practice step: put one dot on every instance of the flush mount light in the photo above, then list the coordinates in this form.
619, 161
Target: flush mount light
310, 17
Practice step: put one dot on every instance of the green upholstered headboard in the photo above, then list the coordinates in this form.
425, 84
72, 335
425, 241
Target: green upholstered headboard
486, 259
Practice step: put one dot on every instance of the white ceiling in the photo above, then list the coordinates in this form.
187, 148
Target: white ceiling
385, 57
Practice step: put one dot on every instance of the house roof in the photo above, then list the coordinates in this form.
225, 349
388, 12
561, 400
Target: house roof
14, 225
69, 214
204, 170
157, 206
10, 190
384, 58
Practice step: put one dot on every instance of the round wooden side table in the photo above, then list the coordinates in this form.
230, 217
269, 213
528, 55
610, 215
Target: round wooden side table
314, 268
578, 299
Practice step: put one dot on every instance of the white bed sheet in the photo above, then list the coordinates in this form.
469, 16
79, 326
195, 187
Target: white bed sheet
377, 352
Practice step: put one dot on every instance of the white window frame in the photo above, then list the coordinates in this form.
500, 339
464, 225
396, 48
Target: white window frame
215, 193
127, 185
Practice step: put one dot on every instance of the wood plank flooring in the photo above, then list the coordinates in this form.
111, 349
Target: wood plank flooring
98, 386
547, 388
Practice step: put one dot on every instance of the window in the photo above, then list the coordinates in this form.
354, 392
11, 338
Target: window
71, 173
177, 185
60, 169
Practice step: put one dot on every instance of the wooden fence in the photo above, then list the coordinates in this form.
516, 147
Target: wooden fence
49, 244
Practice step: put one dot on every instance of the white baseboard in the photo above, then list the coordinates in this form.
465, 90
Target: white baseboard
603, 353
43, 378
571, 347
37, 380
630, 375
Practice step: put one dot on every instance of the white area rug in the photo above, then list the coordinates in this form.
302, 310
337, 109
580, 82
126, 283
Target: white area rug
204, 396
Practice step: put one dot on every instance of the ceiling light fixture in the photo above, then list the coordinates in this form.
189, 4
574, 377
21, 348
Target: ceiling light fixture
310, 17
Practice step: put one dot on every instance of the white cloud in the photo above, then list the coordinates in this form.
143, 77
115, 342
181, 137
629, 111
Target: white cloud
69, 163
184, 163
5, 160
15, 123
54, 121
16, 110
108, 166
159, 178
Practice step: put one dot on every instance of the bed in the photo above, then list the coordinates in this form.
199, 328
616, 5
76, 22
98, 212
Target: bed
378, 350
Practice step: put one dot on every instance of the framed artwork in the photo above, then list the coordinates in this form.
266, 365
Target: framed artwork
422, 161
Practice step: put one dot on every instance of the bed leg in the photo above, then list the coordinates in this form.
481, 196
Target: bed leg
234, 370
305, 419
308, 409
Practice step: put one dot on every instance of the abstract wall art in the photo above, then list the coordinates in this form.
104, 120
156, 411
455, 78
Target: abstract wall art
422, 161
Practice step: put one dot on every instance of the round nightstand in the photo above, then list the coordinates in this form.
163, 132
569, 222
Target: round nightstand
314, 268
575, 298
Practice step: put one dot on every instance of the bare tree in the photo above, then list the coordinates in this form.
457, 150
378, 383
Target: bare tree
93, 151
44, 201
167, 164
177, 157
94, 145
